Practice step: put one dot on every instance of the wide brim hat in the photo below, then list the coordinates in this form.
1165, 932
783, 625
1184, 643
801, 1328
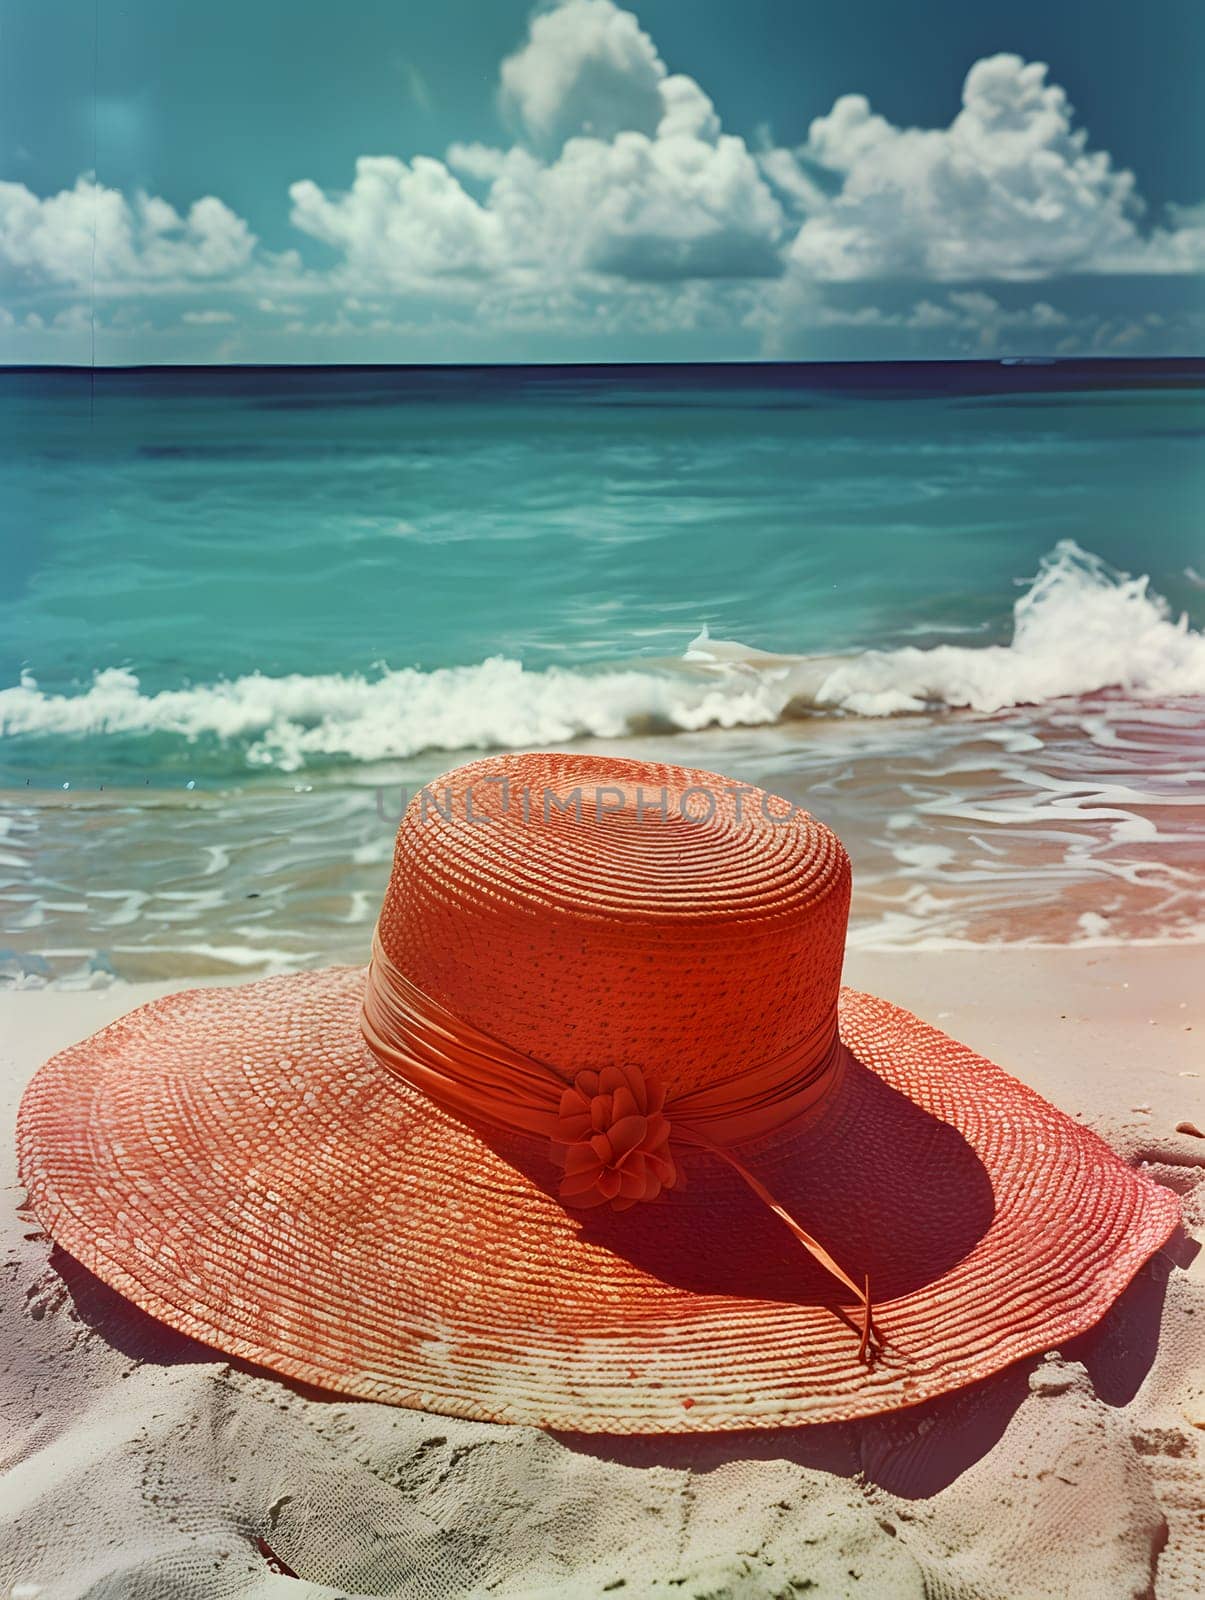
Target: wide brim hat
596, 1142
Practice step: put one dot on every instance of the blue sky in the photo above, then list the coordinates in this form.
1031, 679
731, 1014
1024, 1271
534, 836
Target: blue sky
296, 180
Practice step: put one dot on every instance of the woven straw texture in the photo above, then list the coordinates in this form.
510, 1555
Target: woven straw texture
240, 1165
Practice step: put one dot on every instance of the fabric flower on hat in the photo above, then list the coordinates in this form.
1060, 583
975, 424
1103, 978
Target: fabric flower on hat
612, 1139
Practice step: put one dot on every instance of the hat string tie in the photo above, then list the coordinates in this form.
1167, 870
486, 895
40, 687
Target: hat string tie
609, 1130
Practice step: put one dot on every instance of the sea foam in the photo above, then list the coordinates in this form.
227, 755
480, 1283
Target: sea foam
1079, 627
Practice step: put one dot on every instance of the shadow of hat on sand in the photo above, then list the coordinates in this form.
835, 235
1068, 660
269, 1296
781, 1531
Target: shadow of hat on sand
920, 1450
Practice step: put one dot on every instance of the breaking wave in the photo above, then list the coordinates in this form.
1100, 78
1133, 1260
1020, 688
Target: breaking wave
1080, 627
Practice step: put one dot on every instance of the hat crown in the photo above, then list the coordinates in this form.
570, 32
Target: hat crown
595, 912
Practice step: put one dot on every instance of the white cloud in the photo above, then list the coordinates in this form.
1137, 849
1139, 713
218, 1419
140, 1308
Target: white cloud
788, 177
95, 235
630, 178
73, 319
626, 176
480, 161
586, 68
400, 223
848, 133
589, 70
622, 203
687, 112
969, 311
1177, 248
639, 207
1009, 190
633, 207
987, 322
958, 322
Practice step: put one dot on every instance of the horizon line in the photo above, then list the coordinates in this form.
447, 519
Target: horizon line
1036, 361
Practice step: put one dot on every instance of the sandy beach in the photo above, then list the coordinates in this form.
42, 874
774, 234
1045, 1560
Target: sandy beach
537, 535
139, 1464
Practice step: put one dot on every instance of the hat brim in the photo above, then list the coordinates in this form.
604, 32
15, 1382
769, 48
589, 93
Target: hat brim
236, 1163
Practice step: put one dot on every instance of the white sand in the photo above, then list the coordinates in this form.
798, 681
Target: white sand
140, 1465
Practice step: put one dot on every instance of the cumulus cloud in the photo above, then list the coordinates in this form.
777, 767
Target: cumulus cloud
400, 222
481, 161
586, 68
1176, 248
632, 207
624, 172
1010, 190
618, 199
95, 235
639, 208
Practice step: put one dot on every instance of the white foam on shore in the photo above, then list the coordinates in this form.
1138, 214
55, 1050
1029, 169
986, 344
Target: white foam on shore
1079, 628
289, 721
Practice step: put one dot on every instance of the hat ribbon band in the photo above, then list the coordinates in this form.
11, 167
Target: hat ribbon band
609, 1130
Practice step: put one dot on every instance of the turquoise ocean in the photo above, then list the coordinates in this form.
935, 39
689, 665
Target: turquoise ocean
956, 611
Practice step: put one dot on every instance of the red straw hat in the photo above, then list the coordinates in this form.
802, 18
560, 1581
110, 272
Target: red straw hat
597, 1141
